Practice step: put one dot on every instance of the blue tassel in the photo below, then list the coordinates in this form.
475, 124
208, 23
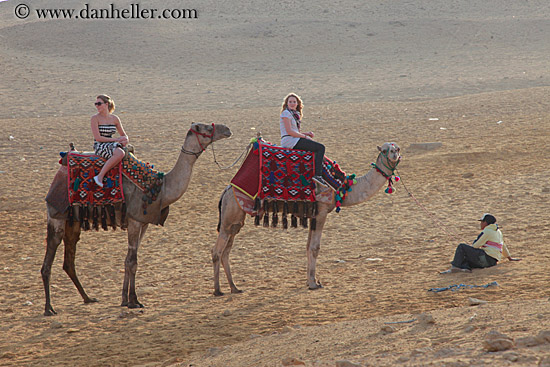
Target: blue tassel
272, 178
338, 210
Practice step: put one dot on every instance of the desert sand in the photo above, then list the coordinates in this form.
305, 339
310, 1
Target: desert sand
470, 75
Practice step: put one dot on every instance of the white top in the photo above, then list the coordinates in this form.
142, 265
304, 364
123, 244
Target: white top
288, 141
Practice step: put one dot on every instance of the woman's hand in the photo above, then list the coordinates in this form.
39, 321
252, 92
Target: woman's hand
310, 134
123, 140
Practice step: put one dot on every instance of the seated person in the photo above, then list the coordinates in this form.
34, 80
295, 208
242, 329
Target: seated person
485, 251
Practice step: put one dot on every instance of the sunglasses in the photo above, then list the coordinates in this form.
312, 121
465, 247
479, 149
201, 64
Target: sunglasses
99, 103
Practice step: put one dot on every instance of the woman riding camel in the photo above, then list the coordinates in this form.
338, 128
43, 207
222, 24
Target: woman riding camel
104, 125
293, 138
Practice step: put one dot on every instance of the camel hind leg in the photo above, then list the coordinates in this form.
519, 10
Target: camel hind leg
70, 239
55, 231
231, 221
226, 266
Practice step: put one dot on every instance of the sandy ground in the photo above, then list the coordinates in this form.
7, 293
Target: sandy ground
470, 76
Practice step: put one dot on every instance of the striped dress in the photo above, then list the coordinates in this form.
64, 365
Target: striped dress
106, 149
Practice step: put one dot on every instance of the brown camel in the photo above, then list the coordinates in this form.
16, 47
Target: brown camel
232, 217
174, 185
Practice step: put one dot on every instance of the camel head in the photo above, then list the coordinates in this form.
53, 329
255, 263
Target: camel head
203, 135
390, 153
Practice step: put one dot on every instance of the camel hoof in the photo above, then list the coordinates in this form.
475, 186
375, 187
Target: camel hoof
50, 312
236, 291
218, 293
135, 305
316, 286
124, 304
91, 300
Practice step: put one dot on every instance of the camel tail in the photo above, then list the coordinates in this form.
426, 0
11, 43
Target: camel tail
220, 214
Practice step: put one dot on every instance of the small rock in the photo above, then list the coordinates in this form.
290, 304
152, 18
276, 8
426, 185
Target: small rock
544, 336
12, 137
213, 352
544, 362
254, 336
426, 146
468, 175
72, 330
290, 361
287, 329
8, 355
388, 329
420, 351
528, 341
474, 301
345, 363
496, 341
426, 319
511, 356
56, 325
28, 303
403, 359
470, 329
546, 189
227, 313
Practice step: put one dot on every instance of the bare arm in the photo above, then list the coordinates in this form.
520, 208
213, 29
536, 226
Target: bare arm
292, 132
123, 139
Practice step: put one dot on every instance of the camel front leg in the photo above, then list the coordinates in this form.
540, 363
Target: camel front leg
70, 239
313, 246
136, 231
55, 231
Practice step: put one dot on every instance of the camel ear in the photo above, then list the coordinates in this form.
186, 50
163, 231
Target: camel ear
379, 149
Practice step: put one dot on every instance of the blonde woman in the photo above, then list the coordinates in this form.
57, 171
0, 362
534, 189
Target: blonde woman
292, 137
104, 125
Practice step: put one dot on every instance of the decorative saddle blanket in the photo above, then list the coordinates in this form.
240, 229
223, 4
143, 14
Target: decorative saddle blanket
278, 179
93, 201
82, 188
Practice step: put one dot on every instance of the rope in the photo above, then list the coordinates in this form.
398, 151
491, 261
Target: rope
436, 221
243, 154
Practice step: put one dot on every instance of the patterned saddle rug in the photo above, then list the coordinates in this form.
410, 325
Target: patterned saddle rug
94, 202
277, 179
90, 200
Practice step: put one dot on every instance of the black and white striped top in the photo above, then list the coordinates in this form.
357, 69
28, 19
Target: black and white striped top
107, 131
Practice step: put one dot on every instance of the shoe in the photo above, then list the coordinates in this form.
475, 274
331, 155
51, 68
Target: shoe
320, 181
97, 182
454, 269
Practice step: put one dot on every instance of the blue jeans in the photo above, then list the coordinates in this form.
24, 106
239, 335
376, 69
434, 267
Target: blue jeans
317, 148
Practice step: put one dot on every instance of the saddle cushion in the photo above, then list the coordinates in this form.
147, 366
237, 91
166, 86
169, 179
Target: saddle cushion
82, 189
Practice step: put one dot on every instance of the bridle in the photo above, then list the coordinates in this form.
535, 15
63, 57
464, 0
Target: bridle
392, 166
211, 136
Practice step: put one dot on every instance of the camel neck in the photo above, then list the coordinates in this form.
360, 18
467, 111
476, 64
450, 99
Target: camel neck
177, 180
365, 188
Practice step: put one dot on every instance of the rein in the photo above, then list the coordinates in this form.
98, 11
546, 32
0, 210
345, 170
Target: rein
211, 136
389, 166
432, 217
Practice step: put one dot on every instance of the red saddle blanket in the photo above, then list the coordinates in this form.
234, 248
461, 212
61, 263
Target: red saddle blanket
82, 188
275, 173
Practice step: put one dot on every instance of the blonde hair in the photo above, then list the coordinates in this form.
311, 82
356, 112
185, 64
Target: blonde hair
299, 107
108, 100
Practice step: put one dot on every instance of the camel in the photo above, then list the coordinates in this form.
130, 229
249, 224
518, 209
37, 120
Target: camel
232, 217
174, 185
